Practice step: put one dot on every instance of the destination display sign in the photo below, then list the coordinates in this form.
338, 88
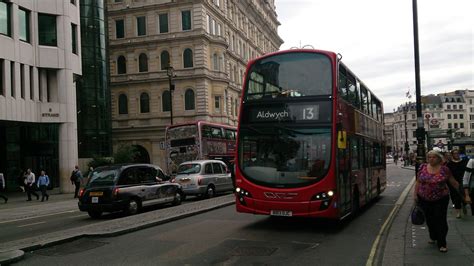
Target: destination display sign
309, 112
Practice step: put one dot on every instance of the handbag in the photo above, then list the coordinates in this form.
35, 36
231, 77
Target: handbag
417, 216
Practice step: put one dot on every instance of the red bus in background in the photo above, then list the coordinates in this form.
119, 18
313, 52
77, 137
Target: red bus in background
310, 138
199, 140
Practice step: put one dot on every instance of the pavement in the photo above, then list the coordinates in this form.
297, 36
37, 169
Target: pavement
402, 243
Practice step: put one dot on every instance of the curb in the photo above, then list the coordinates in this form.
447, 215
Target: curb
11, 256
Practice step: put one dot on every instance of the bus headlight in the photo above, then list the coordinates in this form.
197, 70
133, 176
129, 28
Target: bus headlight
241, 195
325, 198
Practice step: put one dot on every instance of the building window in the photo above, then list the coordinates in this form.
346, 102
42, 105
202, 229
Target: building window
12, 79
121, 65
165, 101
455, 125
217, 103
449, 106
189, 101
186, 19
142, 63
5, 18
165, 60
73, 2
460, 107
461, 125
22, 81
47, 30
461, 116
455, 116
450, 125
74, 38
24, 24
123, 104
188, 58
455, 107
32, 84
2, 87
449, 116
144, 103
163, 20
119, 29
141, 26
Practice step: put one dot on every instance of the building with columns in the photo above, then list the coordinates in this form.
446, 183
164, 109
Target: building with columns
39, 60
207, 43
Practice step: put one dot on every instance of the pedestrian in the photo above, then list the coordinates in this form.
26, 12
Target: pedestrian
21, 180
76, 179
468, 184
432, 195
457, 167
2, 187
30, 185
395, 158
43, 183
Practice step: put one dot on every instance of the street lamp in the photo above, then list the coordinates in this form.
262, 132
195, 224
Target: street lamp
171, 75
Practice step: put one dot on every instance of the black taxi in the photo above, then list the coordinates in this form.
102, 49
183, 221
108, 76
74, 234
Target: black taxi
127, 188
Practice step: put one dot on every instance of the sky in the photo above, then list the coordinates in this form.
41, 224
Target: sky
375, 39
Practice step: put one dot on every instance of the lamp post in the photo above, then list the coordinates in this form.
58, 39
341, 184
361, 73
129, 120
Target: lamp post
420, 130
170, 74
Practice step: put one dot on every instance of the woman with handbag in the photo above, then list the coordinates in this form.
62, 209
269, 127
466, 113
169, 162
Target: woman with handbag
432, 195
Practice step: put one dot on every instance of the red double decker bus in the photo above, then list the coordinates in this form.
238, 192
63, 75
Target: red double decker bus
198, 140
310, 138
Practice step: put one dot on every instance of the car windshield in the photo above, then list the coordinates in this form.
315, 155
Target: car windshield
279, 156
192, 168
289, 75
103, 177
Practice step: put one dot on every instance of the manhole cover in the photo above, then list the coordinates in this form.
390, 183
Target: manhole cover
77, 246
252, 251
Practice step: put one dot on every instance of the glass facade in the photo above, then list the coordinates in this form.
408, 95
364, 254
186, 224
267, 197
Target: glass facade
47, 33
28, 145
24, 27
93, 94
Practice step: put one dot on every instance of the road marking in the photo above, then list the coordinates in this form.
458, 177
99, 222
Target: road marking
34, 217
25, 225
401, 199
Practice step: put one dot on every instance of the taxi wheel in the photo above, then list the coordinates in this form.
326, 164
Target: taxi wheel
132, 207
210, 192
178, 198
95, 214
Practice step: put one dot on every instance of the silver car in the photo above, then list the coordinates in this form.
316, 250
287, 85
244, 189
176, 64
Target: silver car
204, 178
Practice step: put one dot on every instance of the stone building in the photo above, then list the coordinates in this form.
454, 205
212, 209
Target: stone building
39, 62
208, 44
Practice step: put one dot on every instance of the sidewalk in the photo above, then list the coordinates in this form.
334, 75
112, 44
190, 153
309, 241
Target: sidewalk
407, 244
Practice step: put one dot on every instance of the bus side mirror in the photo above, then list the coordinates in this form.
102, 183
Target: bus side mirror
342, 140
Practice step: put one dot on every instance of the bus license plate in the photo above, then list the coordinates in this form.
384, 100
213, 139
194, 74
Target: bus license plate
281, 213
95, 199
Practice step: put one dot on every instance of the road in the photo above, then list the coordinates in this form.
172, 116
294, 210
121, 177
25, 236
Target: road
224, 237
62, 219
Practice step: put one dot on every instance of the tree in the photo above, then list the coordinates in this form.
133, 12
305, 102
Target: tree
126, 154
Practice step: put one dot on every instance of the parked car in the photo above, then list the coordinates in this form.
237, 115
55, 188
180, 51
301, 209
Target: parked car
127, 188
204, 178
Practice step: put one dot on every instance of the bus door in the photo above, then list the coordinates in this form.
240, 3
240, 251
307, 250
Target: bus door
368, 170
343, 180
355, 168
